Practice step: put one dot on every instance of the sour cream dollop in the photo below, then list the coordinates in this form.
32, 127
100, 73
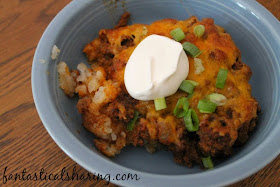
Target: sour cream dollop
156, 68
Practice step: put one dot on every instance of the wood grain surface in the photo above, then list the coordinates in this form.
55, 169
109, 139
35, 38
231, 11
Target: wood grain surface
24, 142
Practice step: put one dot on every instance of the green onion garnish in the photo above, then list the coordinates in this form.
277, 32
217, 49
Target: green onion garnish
221, 78
198, 67
207, 162
181, 108
160, 103
193, 82
191, 49
191, 121
131, 124
216, 98
177, 34
199, 30
188, 86
206, 106
204, 111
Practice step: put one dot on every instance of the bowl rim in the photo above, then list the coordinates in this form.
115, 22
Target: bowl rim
70, 144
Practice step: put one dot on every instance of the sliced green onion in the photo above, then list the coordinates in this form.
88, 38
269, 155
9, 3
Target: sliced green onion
216, 98
207, 162
198, 67
181, 108
221, 78
131, 124
187, 87
198, 54
191, 49
193, 82
204, 111
177, 34
199, 30
206, 106
160, 103
191, 121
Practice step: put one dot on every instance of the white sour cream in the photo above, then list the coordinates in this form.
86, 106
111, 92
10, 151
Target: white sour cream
156, 68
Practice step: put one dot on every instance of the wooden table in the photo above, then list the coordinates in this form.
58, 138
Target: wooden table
24, 142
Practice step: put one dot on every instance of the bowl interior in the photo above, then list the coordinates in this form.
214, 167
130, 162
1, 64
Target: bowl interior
244, 27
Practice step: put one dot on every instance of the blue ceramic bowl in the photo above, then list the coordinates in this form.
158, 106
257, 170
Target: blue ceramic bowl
252, 27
